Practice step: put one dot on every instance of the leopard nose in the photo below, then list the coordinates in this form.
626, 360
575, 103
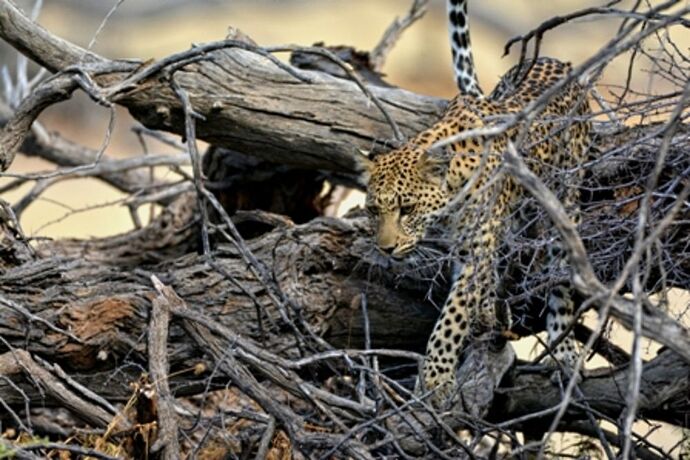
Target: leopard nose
386, 242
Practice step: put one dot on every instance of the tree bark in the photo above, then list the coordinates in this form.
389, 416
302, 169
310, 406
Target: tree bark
299, 300
98, 297
248, 103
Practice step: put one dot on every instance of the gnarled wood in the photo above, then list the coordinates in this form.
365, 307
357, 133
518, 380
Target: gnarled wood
101, 293
284, 317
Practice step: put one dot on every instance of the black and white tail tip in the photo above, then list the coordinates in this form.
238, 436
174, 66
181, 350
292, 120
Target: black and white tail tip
463, 64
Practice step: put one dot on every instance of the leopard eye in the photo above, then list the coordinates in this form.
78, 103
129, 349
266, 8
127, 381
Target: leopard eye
405, 210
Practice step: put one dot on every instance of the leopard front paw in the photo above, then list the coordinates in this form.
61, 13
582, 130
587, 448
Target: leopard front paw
439, 385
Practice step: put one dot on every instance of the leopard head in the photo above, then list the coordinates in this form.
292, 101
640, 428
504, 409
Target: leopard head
405, 188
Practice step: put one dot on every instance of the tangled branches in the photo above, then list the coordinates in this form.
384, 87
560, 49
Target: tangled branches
218, 331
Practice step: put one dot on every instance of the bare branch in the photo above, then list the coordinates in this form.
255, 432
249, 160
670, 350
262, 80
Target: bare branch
158, 364
394, 32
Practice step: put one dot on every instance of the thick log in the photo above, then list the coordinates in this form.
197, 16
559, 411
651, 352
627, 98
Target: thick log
664, 394
105, 295
249, 103
98, 299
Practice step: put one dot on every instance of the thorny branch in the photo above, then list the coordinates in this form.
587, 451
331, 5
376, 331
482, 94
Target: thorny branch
290, 388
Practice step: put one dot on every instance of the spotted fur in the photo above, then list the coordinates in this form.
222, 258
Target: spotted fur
459, 34
462, 194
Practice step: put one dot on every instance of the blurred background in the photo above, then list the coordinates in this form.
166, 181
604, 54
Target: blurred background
420, 62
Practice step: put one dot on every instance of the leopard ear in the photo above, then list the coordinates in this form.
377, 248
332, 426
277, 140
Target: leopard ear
433, 166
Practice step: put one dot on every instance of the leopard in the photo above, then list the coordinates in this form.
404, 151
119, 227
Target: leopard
461, 191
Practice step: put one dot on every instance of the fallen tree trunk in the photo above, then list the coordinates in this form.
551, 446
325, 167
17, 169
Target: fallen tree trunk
249, 103
86, 309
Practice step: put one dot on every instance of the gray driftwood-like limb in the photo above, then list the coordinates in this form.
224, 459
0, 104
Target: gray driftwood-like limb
38, 44
238, 372
19, 365
16, 128
395, 31
158, 365
105, 306
527, 401
664, 383
54, 148
249, 104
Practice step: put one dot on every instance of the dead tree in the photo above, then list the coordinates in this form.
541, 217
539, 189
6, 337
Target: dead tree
240, 323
